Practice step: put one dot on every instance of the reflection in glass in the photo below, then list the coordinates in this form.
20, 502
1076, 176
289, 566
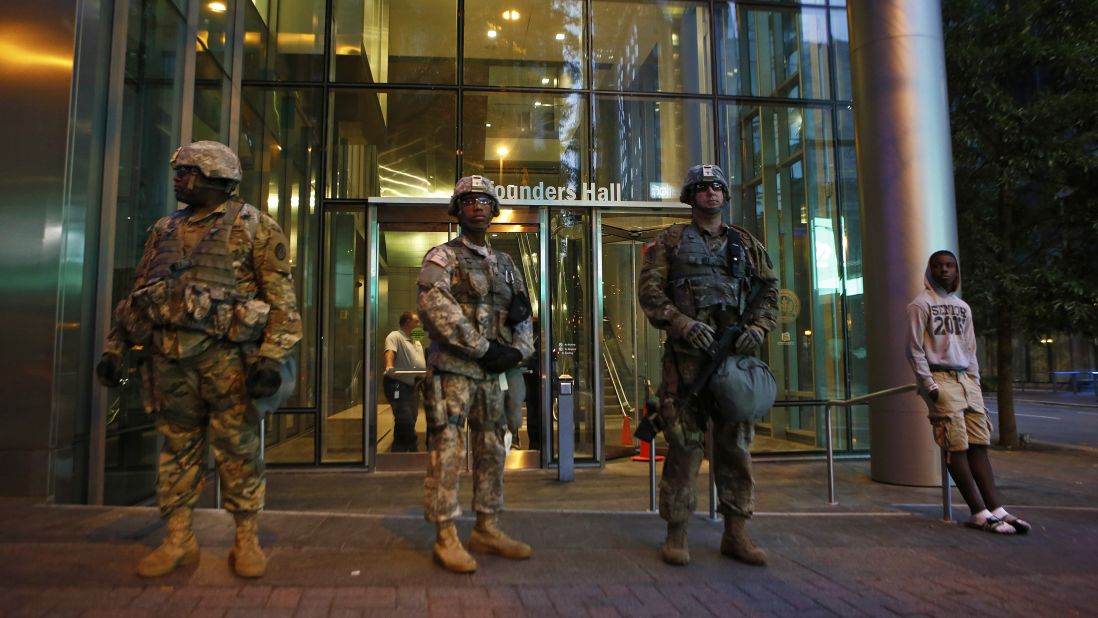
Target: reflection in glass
290, 439
344, 320
368, 49
781, 190
215, 31
280, 156
571, 329
212, 88
524, 43
651, 46
391, 144
648, 144
284, 40
525, 139
775, 52
840, 38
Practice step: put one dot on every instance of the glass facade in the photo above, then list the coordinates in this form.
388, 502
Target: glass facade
353, 125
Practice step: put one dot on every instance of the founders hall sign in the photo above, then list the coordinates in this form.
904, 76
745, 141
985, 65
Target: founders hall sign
588, 191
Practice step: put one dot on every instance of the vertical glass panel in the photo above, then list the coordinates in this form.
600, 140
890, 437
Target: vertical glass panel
526, 140
211, 100
386, 41
782, 189
840, 45
213, 68
280, 157
391, 144
345, 288
631, 347
215, 31
651, 46
401, 248
290, 439
130, 460
572, 314
773, 52
648, 144
151, 113
524, 43
284, 40
852, 279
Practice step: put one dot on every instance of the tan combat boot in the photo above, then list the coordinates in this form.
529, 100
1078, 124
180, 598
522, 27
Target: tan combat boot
179, 548
736, 544
674, 549
487, 538
449, 553
247, 557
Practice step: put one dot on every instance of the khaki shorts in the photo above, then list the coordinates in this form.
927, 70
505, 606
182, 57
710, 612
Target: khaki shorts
959, 417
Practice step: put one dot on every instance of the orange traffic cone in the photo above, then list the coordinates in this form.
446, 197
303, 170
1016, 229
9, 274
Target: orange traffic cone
646, 452
626, 430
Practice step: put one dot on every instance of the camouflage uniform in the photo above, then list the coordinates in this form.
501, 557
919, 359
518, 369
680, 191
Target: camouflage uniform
687, 273
212, 293
464, 295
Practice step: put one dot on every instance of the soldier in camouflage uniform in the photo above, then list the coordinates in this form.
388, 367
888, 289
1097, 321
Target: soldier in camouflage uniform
214, 299
696, 279
471, 303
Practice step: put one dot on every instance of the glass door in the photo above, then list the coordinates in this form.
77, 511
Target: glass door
404, 233
342, 438
631, 347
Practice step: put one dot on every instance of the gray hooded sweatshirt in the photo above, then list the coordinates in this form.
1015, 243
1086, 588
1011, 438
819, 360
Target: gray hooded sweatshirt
940, 333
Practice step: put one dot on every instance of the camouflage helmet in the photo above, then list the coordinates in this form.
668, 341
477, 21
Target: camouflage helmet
473, 184
214, 159
701, 173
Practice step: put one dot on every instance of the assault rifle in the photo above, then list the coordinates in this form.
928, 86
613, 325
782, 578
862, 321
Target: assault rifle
723, 345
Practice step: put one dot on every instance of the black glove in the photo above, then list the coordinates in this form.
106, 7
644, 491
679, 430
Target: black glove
499, 358
109, 370
264, 378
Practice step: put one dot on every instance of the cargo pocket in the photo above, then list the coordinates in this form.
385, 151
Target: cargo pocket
249, 320
941, 426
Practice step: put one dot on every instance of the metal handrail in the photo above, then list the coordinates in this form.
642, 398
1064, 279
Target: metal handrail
896, 390
615, 382
827, 404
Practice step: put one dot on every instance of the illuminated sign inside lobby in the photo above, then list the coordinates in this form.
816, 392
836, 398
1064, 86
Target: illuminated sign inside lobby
588, 191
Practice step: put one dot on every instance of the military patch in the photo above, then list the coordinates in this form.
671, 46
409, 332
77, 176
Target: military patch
280, 251
438, 257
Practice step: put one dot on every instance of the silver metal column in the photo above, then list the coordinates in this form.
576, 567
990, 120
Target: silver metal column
905, 183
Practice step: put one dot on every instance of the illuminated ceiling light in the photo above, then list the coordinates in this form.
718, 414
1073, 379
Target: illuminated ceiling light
537, 103
502, 151
511, 15
560, 36
491, 34
488, 124
217, 7
544, 81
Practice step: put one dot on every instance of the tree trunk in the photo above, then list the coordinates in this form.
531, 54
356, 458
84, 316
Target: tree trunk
1004, 330
1004, 356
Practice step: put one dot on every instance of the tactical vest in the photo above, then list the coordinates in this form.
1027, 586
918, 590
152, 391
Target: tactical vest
479, 285
198, 290
701, 278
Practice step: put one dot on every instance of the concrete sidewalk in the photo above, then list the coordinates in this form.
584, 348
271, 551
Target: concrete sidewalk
365, 551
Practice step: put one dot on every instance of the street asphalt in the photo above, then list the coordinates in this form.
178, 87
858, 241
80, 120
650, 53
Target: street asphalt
354, 544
